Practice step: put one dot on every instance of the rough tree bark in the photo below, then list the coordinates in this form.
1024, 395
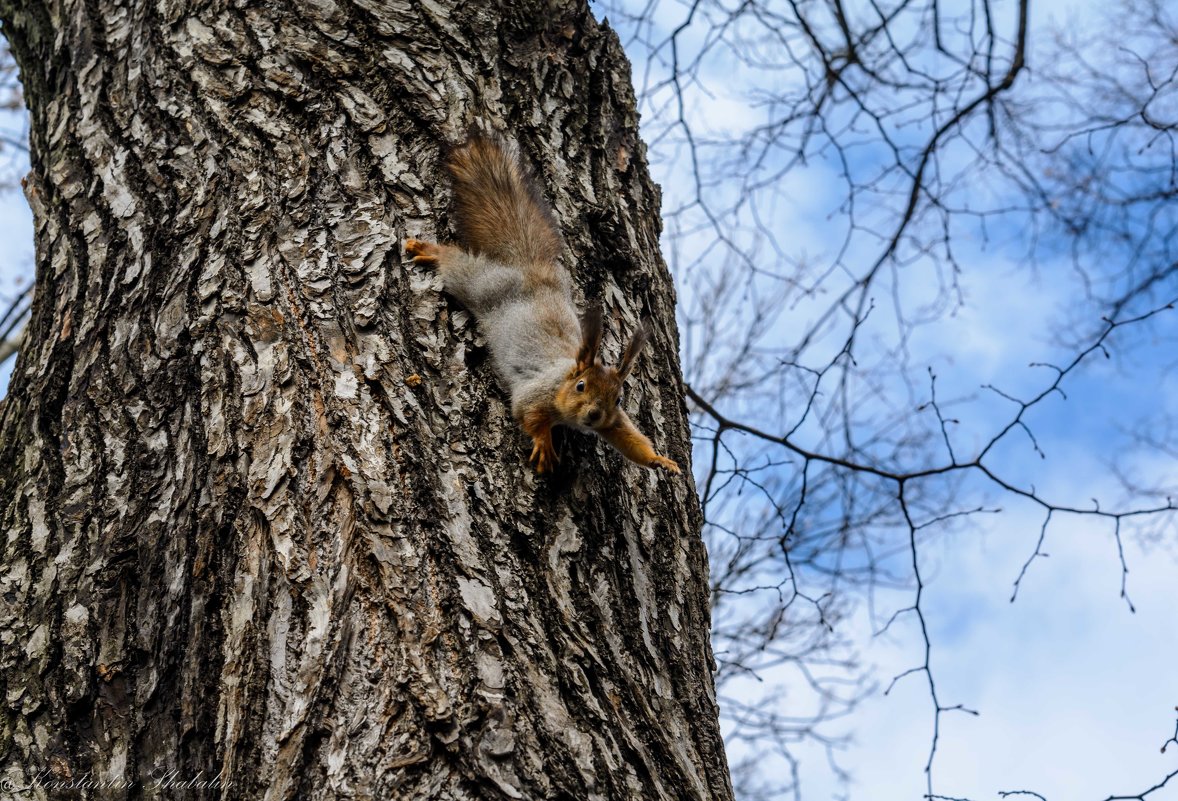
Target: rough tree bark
266, 516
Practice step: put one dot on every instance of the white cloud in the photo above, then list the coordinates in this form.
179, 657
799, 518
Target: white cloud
1075, 693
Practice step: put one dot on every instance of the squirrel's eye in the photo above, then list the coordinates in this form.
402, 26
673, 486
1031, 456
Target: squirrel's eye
619, 404
580, 386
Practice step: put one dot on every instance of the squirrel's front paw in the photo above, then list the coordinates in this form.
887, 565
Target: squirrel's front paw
422, 252
667, 464
543, 456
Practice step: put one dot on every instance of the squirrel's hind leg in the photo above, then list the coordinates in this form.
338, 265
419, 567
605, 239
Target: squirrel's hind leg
431, 253
479, 283
453, 264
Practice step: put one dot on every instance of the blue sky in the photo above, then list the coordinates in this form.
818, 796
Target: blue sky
1075, 693
16, 221
16, 255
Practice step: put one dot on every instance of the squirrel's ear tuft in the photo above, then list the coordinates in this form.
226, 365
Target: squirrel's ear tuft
637, 343
590, 339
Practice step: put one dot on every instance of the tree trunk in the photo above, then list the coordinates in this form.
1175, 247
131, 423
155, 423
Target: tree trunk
270, 530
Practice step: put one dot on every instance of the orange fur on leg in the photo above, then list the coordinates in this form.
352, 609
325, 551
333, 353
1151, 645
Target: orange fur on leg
634, 445
537, 423
424, 253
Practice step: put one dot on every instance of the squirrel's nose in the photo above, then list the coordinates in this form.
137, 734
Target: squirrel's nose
594, 416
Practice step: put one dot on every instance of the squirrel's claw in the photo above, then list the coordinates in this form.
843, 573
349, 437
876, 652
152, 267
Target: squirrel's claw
543, 456
422, 252
667, 464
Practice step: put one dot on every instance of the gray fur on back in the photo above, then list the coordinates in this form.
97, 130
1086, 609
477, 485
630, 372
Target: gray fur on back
531, 326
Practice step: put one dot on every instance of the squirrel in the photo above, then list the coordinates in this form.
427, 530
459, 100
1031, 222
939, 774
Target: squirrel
508, 275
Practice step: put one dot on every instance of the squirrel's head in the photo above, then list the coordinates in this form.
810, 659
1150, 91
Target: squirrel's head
591, 395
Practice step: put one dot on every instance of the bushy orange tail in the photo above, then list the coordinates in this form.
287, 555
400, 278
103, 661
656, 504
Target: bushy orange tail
501, 213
